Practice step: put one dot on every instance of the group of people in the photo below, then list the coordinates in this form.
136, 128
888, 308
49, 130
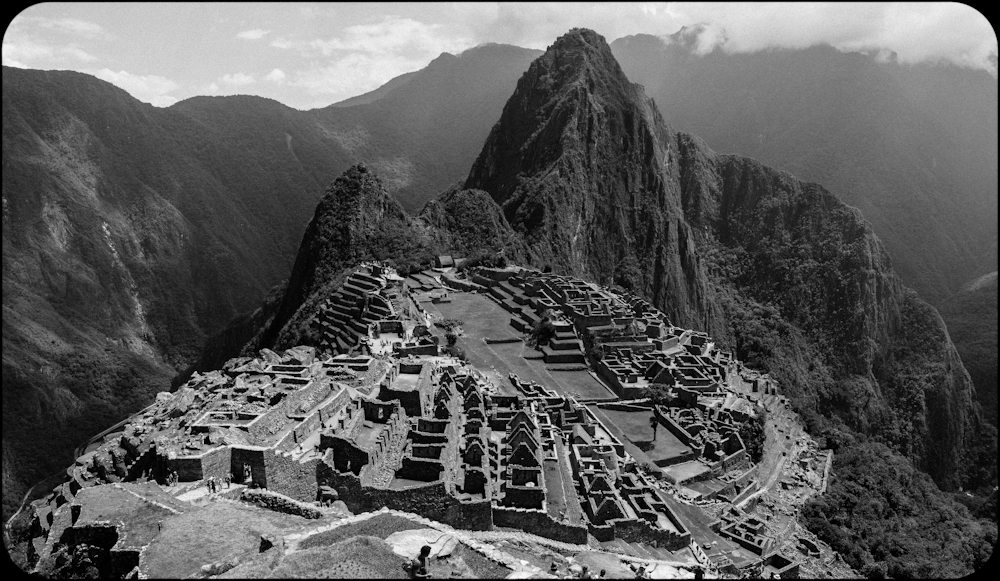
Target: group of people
172, 478
213, 486
640, 572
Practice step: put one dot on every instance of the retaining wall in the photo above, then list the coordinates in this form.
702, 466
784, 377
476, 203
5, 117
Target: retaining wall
279, 503
539, 523
431, 500
290, 477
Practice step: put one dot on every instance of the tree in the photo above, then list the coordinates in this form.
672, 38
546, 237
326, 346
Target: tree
654, 422
753, 436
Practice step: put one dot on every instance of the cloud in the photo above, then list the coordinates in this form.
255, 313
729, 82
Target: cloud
391, 35
394, 35
151, 89
254, 34
276, 76
22, 48
915, 32
237, 79
75, 26
229, 84
362, 57
352, 75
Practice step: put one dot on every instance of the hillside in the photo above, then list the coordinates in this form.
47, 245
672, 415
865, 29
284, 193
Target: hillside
972, 324
132, 233
913, 147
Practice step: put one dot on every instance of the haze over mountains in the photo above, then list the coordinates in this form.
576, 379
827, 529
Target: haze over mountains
153, 227
913, 147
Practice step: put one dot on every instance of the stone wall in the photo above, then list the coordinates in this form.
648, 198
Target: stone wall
188, 468
539, 523
217, 463
495, 274
603, 533
290, 477
312, 422
268, 424
425, 470
279, 503
432, 500
459, 284
524, 497
637, 531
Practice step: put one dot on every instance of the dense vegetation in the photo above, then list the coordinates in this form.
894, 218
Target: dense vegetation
971, 315
753, 436
888, 519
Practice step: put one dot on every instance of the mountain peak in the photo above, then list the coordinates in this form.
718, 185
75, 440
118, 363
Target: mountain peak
579, 38
575, 141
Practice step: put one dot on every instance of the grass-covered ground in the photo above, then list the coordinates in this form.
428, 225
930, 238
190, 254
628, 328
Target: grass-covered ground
380, 526
635, 426
212, 534
360, 557
483, 318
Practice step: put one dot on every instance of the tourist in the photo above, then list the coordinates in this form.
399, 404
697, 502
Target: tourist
641, 572
585, 573
417, 568
602, 575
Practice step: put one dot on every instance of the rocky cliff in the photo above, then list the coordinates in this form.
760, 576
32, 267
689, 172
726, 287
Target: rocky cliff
583, 166
971, 315
913, 146
469, 223
588, 172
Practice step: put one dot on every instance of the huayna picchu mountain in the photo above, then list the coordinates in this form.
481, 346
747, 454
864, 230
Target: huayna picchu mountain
589, 173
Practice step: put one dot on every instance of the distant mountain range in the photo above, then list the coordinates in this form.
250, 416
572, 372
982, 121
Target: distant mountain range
913, 147
132, 233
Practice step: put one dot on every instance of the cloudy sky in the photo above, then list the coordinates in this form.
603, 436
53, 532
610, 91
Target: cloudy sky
311, 55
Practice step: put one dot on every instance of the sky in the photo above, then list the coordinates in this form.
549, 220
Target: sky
311, 55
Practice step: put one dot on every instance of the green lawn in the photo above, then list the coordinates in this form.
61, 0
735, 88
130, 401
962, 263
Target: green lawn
635, 427
214, 533
380, 526
483, 318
